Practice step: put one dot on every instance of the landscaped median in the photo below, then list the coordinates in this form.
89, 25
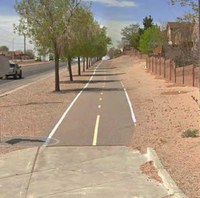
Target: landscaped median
165, 113
34, 110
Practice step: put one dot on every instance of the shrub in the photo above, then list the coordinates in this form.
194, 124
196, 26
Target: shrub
190, 133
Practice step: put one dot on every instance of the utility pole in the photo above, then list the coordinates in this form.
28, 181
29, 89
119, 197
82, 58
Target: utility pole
24, 44
199, 51
13, 49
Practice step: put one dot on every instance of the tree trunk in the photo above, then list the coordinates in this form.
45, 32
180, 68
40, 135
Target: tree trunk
83, 64
57, 77
69, 60
87, 65
89, 62
79, 66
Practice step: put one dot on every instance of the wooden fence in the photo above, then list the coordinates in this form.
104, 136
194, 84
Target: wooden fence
167, 69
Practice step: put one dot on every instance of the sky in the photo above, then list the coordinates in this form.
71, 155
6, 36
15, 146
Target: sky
114, 14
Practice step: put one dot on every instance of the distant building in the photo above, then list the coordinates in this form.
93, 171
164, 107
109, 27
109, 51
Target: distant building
18, 54
180, 34
14, 54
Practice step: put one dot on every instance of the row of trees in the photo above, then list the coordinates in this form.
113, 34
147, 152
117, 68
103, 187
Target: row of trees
143, 39
4, 49
66, 28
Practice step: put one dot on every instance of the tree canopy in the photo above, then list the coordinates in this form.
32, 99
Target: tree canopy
147, 22
151, 39
4, 49
131, 34
128, 31
65, 28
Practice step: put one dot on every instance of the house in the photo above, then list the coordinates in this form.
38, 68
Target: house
180, 34
15, 54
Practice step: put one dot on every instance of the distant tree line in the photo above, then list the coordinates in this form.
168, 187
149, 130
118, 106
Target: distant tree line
66, 29
144, 39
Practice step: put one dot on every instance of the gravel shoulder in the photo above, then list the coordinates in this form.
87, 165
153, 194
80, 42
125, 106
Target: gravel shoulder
163, 112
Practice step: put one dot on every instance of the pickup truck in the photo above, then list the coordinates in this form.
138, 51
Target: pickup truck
9, 68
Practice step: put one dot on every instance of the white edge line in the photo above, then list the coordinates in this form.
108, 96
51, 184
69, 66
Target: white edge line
94, 143
130, 105
69, 108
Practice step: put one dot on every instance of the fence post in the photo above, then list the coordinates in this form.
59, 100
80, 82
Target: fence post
193, 75
160, 65
149, 63
183, 75
152, 65
156, 65
170, 70
164, 67
174, 71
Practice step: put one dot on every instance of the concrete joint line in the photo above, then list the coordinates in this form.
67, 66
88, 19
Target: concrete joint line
168, 182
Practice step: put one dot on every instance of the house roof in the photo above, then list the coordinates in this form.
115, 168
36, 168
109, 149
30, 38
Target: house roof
180, 25
18, 52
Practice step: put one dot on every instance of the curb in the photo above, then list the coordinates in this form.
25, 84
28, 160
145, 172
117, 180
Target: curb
168, 182
32, 64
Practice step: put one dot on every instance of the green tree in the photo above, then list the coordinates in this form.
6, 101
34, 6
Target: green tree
128, 32
135, 40
85, 38
82, 28
151, 39
46, 22
4, 49
147, 22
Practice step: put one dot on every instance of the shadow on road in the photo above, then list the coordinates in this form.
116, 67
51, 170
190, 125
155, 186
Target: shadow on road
92, 90
115, 74
86, 81
31, 103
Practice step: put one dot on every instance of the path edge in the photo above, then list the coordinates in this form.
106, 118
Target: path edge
168, 182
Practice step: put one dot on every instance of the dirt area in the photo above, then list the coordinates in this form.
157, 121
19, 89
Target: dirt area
149, 169
163, 112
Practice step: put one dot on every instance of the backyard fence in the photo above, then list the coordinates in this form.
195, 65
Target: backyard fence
167, 69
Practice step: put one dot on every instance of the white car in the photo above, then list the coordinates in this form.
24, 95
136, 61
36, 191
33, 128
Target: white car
106, 58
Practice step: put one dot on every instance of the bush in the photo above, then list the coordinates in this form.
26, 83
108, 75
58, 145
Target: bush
190, 133
151, 39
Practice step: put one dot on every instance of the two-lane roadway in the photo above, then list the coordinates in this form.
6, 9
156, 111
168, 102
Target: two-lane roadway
30, 74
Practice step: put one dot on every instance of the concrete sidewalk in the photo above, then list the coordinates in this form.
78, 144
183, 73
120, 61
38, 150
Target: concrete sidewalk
92, 172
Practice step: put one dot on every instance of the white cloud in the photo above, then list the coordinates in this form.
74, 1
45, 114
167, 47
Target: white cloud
114, 29
117, 3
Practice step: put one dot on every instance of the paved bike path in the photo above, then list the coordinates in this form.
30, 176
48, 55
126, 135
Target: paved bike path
101, 115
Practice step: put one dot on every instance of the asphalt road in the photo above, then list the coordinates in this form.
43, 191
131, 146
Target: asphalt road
34, 70
30, 74
100, 116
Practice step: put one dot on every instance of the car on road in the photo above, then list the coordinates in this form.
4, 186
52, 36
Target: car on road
14, 70
106, 58
9, 68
